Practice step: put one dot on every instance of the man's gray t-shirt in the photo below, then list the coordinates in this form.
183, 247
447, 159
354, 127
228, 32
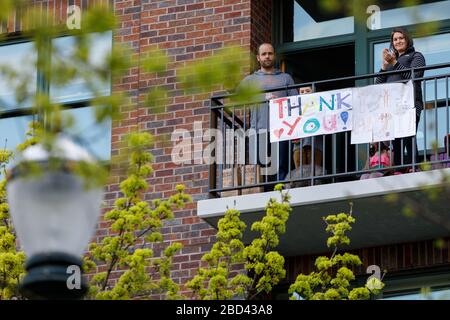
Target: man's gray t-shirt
259, 118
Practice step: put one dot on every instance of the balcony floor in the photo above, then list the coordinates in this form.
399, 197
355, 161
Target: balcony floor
378, 222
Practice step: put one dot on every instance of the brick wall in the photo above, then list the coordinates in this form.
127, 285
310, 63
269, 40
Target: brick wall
261, 23
187, 30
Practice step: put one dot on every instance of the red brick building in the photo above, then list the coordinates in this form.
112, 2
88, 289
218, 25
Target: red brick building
194, 29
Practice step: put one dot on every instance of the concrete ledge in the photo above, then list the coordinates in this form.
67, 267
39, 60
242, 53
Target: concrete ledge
326, 193
378, 222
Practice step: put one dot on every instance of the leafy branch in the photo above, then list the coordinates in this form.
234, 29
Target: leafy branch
133, 222
331, 280
264, 266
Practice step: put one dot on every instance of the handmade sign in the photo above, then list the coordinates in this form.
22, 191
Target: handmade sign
383, 112
373, 113
310, 115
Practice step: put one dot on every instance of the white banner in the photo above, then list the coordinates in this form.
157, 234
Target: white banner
310, 115
383, 112
373, 113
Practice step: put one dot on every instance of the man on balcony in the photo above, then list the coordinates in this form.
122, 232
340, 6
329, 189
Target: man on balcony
266, 78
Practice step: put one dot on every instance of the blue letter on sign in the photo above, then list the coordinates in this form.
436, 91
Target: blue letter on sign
311, 126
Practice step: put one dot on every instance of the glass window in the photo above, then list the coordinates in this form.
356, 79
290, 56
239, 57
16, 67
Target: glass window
434, 295
310, 22
435, 133
439, 10
12, 133
96, 138
77, 89
377, 50
309, 25
19, 58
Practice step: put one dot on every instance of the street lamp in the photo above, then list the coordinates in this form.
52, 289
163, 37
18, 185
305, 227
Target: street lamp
54, 215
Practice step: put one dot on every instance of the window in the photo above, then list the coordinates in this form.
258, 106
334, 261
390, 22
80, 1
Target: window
436, 294
77, 89
393, 17
74, 96
435, 132
95, 137
312, 24
12, 131
306, 20
20, 59
419, 284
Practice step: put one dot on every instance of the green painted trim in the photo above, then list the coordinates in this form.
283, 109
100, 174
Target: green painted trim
291, 47
361, 50
10, 42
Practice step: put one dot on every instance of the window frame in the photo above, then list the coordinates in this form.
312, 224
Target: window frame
362, 38
411, 282
43, 84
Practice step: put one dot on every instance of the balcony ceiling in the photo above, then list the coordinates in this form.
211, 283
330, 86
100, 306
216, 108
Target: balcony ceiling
378, 222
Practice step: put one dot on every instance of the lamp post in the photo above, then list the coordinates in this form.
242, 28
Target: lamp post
54, 215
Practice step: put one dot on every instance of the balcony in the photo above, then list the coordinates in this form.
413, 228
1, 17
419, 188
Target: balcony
322, 182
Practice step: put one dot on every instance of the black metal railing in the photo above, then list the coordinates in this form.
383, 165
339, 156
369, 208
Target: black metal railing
237, 168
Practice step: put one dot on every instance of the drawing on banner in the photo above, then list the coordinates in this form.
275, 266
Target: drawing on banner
344, 117
383, 127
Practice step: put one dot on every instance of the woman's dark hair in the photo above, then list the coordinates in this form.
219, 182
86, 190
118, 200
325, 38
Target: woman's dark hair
405, 33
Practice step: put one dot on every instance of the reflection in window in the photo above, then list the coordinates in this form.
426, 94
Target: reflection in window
12, 133
436, 11
311, 25
77, 89
20, 58
96, 138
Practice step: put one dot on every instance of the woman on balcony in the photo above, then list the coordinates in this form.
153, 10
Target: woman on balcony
402, 55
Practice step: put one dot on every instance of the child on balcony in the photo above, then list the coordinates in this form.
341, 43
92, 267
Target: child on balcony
378, 159
305, 144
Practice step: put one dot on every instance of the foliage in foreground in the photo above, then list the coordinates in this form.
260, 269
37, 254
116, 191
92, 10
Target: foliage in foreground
11, 260
264, 267
333, 275
134, 225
